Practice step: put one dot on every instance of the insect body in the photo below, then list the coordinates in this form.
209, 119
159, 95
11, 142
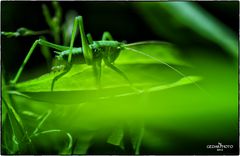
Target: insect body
109, 49
106, 51
94, 53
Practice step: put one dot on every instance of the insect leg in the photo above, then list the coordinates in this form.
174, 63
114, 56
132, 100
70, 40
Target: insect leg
97, 69
87, 51
97, 64
107, 36
116, 69
46, 53
67, 69
69, 64
40, 42
110, 65
74, 30
89, 38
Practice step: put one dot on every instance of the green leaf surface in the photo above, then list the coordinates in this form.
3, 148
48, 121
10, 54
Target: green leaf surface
136, 134
116, 136
82, 142
82, 84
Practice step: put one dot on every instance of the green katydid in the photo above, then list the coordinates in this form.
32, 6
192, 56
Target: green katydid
94, 53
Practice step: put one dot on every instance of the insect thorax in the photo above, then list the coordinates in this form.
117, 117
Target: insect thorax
107, 49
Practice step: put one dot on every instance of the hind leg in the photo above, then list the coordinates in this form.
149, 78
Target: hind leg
37, 42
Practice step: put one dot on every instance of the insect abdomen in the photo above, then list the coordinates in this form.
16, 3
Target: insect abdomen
74, 51
108, 43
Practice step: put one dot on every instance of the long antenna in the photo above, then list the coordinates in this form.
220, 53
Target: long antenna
168, 65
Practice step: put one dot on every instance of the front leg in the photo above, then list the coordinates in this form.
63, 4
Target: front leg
66, 70
97, 69
69, 61
87, 51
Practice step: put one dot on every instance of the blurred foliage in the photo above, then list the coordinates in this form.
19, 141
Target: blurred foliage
191, 16
183, 97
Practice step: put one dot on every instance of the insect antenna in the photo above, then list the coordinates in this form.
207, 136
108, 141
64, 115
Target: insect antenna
146, 42
160, 61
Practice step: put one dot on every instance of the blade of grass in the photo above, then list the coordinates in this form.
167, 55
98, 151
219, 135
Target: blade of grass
68, 148
43, 119
15, 124
190, 15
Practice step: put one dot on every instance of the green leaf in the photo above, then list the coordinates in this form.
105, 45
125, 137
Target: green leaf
184, 81
136, 134
116, 136
83, 142
77, 88
134, 131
